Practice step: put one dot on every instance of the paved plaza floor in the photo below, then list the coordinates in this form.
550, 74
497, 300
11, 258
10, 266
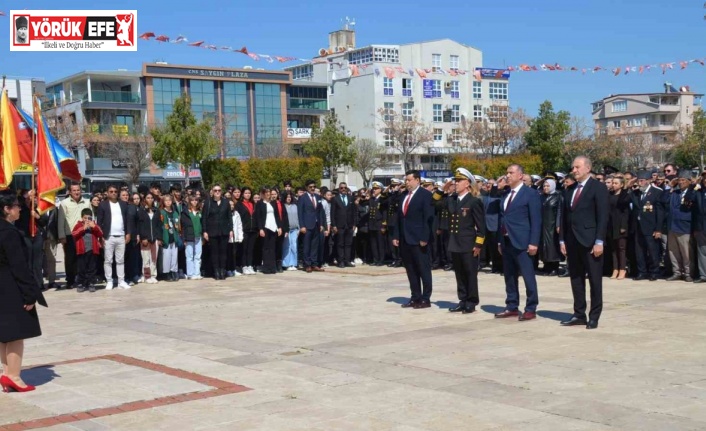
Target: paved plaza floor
334, 351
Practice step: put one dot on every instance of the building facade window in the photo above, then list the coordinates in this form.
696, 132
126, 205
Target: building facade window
407, 87
435, 62
388, 111
498, 90
455, 113
361, 56
165, 92
387, 137
305, 71
387, 86
437, 115
635, 122
236, 119
477, 90
407, 110
386, 55
203, 98
620, 106
497, 113
438, 135
268, 113
453, 62
616, 124
455, 90
455, 137
477, 113
436, 88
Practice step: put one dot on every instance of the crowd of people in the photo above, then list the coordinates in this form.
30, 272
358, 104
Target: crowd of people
121, 238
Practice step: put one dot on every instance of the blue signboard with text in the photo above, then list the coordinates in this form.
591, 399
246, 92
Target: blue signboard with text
428, 88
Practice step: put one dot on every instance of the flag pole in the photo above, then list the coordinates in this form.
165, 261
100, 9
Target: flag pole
34, 163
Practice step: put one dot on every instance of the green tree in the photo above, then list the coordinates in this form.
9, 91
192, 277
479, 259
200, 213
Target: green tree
546, 135
331, 145
183, 139
690, 150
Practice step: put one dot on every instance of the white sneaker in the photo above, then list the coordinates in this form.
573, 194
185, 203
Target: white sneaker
141, 280
357, 261
236, 274
248, 270
124, 285
325, 265
151, 280
197, 277
109, 286
292, 268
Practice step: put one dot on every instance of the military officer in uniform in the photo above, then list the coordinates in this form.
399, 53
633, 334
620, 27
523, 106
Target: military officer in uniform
391, 198
442, 234
375, 225
466, 237
428, 184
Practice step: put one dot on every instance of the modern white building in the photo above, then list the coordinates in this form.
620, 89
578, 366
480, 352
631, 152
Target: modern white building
19, 90
363, 81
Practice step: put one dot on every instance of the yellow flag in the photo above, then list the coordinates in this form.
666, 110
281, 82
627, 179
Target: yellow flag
10, 160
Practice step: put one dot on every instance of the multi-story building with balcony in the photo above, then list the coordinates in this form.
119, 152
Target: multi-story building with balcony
359, 88
254, 107
656, 118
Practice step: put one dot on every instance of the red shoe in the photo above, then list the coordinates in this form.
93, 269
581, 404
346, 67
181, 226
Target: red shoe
8, 385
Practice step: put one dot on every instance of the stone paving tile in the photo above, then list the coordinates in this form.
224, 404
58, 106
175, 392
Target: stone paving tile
341, 354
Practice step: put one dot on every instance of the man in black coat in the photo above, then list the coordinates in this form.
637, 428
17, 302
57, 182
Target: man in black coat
116, 226
411, 234
344, 218
648, 212
582, 235
217, 230
312, 221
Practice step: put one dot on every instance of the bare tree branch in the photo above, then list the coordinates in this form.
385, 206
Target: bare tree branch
369, 155
404, 133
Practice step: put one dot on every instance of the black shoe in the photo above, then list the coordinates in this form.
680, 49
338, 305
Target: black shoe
700, 280
458, 308
448, 267
688, 279
564, 274
397, 264
469, 309
92, 288
81, 289
350, 265
279, 266
435, 267
574, 321
341, 265
592, 324
409, 304
640, 277
674, 278
653, 278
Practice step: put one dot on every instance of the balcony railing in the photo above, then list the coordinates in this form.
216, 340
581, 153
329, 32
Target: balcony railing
113, 96
113, 129
299, 103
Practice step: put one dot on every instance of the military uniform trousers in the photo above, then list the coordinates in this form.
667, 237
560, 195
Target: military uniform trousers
466, 269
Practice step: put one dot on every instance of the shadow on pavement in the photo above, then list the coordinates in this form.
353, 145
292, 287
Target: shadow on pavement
554, 315
492, 309
38, 376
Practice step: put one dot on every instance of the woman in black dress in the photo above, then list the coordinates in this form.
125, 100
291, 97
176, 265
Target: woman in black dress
19, 292
618, 216
269, 226
217, 230
549, 251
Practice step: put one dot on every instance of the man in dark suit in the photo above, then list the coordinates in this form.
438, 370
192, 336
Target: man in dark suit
116, 226
344, 219
491, 203
648, 212
411, 234
519, 227
582, 233
312, 220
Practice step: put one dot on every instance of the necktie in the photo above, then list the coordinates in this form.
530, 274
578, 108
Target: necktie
509, 200
313, 201
345, 201
507, 207
406, 204
576, 196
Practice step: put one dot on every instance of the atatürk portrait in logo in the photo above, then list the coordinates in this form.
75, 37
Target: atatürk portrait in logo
21, 30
